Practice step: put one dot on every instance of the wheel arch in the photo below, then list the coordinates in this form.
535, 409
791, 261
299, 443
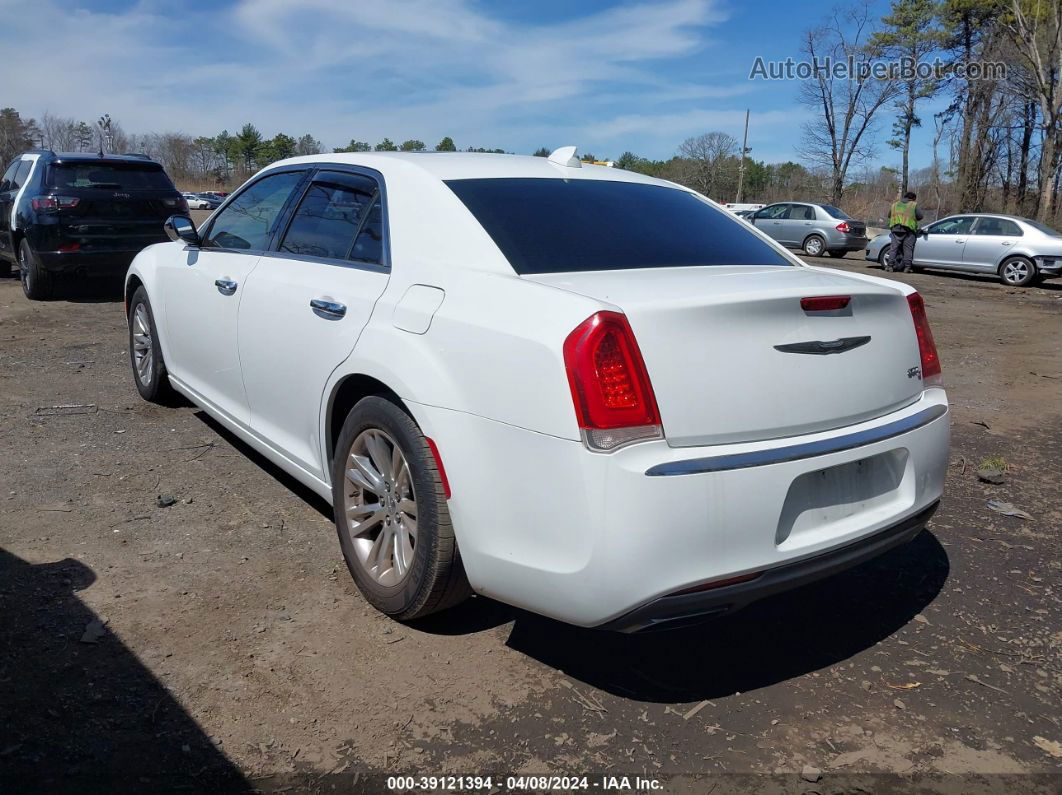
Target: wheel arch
344, 396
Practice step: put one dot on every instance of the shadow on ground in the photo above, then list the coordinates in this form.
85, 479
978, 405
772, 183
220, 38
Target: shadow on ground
87, 717
782, 637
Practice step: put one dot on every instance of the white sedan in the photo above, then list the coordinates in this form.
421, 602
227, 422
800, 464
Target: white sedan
578, 390
196, 202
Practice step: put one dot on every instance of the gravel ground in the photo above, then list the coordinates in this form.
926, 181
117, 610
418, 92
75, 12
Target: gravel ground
219, 643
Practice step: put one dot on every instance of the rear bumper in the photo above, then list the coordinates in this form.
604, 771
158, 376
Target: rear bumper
80, 263
673, 610
1049, 266
596, 540
847, 244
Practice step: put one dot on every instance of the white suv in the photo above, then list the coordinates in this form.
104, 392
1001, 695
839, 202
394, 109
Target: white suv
579, 390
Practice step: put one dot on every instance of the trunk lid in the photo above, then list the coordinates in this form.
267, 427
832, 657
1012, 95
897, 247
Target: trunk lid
709, 335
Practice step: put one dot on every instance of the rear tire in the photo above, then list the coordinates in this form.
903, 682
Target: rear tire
814, 246
37, 283
1017, 272
395, 488
145, 353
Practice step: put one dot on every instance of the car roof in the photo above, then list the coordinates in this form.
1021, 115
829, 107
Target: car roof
474, 165
92, 157
986, 215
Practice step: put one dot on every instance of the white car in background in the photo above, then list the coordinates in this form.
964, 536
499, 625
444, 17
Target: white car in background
620, 430
196, 202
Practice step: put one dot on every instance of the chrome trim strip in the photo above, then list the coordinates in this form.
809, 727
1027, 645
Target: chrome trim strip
778, 455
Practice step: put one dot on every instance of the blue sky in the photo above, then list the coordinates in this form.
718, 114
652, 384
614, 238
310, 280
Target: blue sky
606, 76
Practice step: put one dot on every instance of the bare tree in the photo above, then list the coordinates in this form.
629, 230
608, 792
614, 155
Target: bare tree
1035, 26
705, 158
842, 135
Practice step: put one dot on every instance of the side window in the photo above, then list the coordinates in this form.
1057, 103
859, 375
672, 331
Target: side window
21, 173
9, 177
952, 226
1000, 227
802, 212
774, 211
339, 217
246, 223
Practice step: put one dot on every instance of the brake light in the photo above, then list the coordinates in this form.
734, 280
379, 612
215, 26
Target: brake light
51, 204
843, 227
825, 303
67, 248
927, 348
614, 400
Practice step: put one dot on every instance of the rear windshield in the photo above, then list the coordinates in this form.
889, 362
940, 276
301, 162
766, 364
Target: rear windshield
559, 225
836, 212
119, 176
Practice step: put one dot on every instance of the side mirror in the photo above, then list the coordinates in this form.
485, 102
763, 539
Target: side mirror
179, 228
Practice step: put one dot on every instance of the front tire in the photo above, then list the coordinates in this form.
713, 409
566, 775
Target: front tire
814, 246
145, 353
883, 257
37, 283
1017, 272
391, 514
837, 254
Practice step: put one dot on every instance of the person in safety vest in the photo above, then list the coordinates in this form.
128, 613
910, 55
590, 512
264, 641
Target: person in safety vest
904, 216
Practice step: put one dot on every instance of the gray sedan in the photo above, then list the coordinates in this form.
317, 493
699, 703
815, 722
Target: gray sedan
818, 229
1017, 250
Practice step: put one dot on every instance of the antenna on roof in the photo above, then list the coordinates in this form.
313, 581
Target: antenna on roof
565, 156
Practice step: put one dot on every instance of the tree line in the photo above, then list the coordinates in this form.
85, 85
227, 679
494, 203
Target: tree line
996, 145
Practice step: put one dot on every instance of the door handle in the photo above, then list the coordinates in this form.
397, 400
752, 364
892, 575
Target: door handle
961, 241
225, 286
1005, 243
329, 310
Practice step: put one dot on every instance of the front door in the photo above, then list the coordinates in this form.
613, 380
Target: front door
770, 220
203, 290
944, 245
305, 306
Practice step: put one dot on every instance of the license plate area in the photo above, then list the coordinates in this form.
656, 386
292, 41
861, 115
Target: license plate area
835, 500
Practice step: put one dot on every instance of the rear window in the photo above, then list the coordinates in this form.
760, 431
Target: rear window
118, 176
836, 212
1043, 228
559, 225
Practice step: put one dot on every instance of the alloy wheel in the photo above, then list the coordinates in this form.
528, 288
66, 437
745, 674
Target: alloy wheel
143, 351
380, 506
1015, 271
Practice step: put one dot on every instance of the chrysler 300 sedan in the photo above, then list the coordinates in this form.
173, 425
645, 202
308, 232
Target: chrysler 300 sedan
575, 389
1017, 250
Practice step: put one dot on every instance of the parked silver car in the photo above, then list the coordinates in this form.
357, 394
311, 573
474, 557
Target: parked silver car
817, 228
1017, 250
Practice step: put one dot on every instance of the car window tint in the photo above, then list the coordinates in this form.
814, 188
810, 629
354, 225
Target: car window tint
116, 176
328, 218
247, 221
802, 212
22, 173
952, 226
369, 245
774, 211
997, 226
1047, 230
553, 225
836, 212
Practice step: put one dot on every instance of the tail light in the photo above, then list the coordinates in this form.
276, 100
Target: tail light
614, 400
927, 348
843, 227
51, 204
68, 248
176, 204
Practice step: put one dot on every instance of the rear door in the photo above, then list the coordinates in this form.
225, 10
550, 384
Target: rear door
798, 224
306, 304
203, 287
992, 239
945, 243
10, 186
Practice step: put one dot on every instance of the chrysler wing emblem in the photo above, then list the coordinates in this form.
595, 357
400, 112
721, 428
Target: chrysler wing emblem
823, 347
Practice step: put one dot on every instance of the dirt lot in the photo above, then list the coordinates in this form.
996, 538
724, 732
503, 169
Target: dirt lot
235, 652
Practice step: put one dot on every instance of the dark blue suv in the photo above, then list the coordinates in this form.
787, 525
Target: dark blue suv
80, 214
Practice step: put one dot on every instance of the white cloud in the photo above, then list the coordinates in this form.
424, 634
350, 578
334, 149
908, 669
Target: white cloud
338, 69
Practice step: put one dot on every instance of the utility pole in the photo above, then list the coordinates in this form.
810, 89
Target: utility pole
741, 167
